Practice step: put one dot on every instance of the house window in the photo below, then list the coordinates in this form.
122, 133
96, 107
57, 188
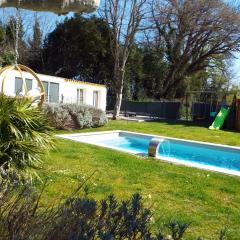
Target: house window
29, 83
95, 98
46, 88
80, 96
19, 85
53, 92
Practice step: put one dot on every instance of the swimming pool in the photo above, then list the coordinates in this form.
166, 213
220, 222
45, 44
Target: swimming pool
202, 155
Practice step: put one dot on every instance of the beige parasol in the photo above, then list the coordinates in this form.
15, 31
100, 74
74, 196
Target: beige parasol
57, 6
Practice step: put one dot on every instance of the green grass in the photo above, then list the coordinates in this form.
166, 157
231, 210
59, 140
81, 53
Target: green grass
208, 200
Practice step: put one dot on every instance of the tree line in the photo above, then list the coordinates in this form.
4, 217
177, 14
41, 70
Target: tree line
142, 50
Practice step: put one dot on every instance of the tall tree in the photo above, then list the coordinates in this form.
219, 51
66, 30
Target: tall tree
7, 56
125, 18
34, 58
79, 48
145, 70
12, 37
36, 42
194, 34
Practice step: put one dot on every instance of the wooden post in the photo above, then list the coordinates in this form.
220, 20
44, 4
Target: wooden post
237, 123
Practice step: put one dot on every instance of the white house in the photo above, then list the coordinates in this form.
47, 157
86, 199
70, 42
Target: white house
57, 89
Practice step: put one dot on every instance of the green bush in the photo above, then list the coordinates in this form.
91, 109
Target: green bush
73, 116
25, 134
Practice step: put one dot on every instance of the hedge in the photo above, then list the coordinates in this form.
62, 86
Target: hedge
73, 116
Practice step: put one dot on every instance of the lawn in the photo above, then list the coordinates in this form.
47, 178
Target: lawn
210, 201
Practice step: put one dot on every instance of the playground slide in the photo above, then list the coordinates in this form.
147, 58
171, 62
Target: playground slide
220, 118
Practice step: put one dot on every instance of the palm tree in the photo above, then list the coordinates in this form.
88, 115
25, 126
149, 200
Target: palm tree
25, 134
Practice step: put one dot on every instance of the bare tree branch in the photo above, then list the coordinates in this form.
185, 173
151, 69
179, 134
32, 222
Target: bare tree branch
192, 34
125, 19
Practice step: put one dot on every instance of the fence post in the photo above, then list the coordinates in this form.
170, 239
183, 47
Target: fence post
125, 108
187, 106
237, 123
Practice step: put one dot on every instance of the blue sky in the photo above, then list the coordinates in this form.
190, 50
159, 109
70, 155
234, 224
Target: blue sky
49, 21
236, 68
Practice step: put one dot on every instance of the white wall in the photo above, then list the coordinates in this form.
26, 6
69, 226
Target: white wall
67, 88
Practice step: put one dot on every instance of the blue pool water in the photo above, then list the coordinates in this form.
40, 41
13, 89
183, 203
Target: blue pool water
216, 156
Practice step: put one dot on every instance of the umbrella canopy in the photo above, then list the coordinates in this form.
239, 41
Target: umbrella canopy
57, 6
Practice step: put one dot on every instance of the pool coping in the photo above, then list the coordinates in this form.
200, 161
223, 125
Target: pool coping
166, 159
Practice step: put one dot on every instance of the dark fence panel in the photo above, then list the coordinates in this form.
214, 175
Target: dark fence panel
166, 110
231, 119
201, 112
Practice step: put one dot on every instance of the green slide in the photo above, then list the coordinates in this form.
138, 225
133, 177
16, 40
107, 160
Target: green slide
220, 118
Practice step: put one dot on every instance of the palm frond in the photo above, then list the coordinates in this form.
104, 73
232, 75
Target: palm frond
25, 133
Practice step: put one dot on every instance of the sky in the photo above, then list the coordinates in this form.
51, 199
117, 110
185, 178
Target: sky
236, 69
48, 21
236, 61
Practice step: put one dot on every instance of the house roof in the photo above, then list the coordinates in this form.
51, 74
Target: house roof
57, 6
67, 80
72, 80
84, 83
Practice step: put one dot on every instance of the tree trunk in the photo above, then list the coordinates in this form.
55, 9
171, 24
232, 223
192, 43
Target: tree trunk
117, 108
119, 96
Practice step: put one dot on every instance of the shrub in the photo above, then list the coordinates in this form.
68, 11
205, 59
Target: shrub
80, 115
23, 218
98, 117
25, 134
73, 116
58, 116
